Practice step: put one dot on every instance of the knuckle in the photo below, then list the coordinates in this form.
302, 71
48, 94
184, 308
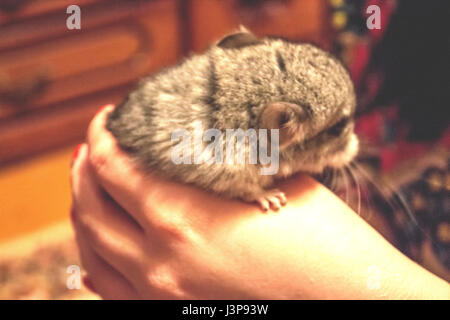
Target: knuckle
89, 229
82, 221
164, 282
99, 161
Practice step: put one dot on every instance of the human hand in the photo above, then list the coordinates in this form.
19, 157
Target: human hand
141, 236
150, 238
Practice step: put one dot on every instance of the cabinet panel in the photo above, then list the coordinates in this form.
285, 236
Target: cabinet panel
294, 19
67, 76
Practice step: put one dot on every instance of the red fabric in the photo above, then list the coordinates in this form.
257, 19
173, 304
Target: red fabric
361, 55
370, 126
383, 129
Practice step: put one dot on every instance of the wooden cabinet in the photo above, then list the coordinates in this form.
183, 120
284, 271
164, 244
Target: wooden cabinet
52, 80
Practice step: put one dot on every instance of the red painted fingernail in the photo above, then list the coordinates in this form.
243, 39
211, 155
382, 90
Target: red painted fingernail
88, 284
75, 153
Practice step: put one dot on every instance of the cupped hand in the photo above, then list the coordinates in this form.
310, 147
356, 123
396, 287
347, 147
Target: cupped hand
141, 236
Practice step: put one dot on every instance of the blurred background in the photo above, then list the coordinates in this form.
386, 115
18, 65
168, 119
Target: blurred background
52, 81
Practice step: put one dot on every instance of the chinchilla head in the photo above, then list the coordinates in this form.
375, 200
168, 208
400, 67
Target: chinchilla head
303, 91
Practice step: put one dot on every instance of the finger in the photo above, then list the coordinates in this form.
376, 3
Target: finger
138, 193
159, 206
106, 281
109, 283
114, 169
110, 231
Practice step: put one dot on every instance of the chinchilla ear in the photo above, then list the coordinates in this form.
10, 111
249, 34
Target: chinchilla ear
240, 39
287, 117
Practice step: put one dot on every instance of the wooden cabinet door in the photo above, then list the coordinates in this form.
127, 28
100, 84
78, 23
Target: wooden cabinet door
294, 19
53, 79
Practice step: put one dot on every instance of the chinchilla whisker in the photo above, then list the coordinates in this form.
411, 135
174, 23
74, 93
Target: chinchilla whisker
346, 184
333, 179
365, 196
400, 201
358, 189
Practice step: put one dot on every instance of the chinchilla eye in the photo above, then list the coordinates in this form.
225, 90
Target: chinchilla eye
284, 118
337, 129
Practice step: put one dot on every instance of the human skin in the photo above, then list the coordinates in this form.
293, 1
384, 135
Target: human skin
143, 237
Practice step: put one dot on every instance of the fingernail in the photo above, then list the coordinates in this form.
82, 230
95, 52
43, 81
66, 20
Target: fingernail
75, 153
88, 284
